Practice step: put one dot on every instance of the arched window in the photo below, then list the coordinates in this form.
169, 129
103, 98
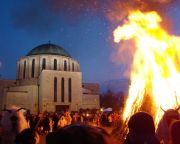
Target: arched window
24, 71
62, 90
55, 89
77, 67
44, 64
69, 68
33, 68
72, 66
55, 64
69, 90
65, 65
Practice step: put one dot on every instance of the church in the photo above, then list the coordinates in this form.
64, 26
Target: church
49, 79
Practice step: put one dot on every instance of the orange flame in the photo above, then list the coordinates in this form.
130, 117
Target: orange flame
155, 75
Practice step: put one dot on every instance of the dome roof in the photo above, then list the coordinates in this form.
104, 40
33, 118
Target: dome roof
49, 48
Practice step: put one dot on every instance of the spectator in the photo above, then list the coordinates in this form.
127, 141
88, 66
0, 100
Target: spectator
110, 120
68, 117
162, 132
62, 122
141, 129
55, 120
27, 136
79, 134
175, 132
75, 118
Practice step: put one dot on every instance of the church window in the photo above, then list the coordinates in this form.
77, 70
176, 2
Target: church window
44, 64
77, 67
69, 68
62, 90
24, 71
72, 66
55, 89
33, 68
55, 64
69, 89
65, 65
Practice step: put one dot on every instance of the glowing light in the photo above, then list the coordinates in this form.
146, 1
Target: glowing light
101, 109
155, 74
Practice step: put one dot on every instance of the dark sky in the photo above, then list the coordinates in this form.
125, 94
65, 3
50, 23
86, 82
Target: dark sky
82, 27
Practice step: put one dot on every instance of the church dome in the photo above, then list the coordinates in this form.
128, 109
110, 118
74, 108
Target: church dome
50, 49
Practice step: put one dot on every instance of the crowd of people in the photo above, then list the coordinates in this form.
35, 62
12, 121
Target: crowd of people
87, 128
49, 122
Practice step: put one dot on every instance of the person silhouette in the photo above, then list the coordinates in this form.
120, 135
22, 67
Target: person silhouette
141, 129
27, 136
80, 134
175, 132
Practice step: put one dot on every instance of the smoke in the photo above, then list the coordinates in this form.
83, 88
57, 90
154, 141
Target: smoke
122, 8
44, 16
34, 17
123, 55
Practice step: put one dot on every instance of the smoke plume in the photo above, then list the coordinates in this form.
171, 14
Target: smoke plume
44, 15
123, 56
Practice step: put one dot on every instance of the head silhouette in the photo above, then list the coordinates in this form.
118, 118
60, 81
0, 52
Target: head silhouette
80, 134
27, 136
141, 122
175, 132
141, 129
170, 115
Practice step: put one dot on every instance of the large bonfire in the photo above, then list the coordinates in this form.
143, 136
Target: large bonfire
155, 74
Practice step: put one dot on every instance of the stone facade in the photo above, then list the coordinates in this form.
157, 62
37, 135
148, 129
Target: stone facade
48, 101
49, 82
25, 64
22, 96
91, 96
4, 84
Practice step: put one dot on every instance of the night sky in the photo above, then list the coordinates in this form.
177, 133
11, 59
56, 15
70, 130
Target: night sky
82, 27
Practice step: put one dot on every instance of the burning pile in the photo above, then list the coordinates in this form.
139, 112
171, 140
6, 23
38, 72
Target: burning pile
155, 73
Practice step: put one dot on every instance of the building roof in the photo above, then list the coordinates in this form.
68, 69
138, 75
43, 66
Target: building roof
49, 48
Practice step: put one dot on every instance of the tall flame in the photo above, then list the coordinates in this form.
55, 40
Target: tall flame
155, 75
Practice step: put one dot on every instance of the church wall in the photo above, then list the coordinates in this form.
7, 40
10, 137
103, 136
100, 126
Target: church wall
19, 71
47, 90
36, 69
3, 85
93, 87
38, 65
22, 96
52, 58
90, 101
